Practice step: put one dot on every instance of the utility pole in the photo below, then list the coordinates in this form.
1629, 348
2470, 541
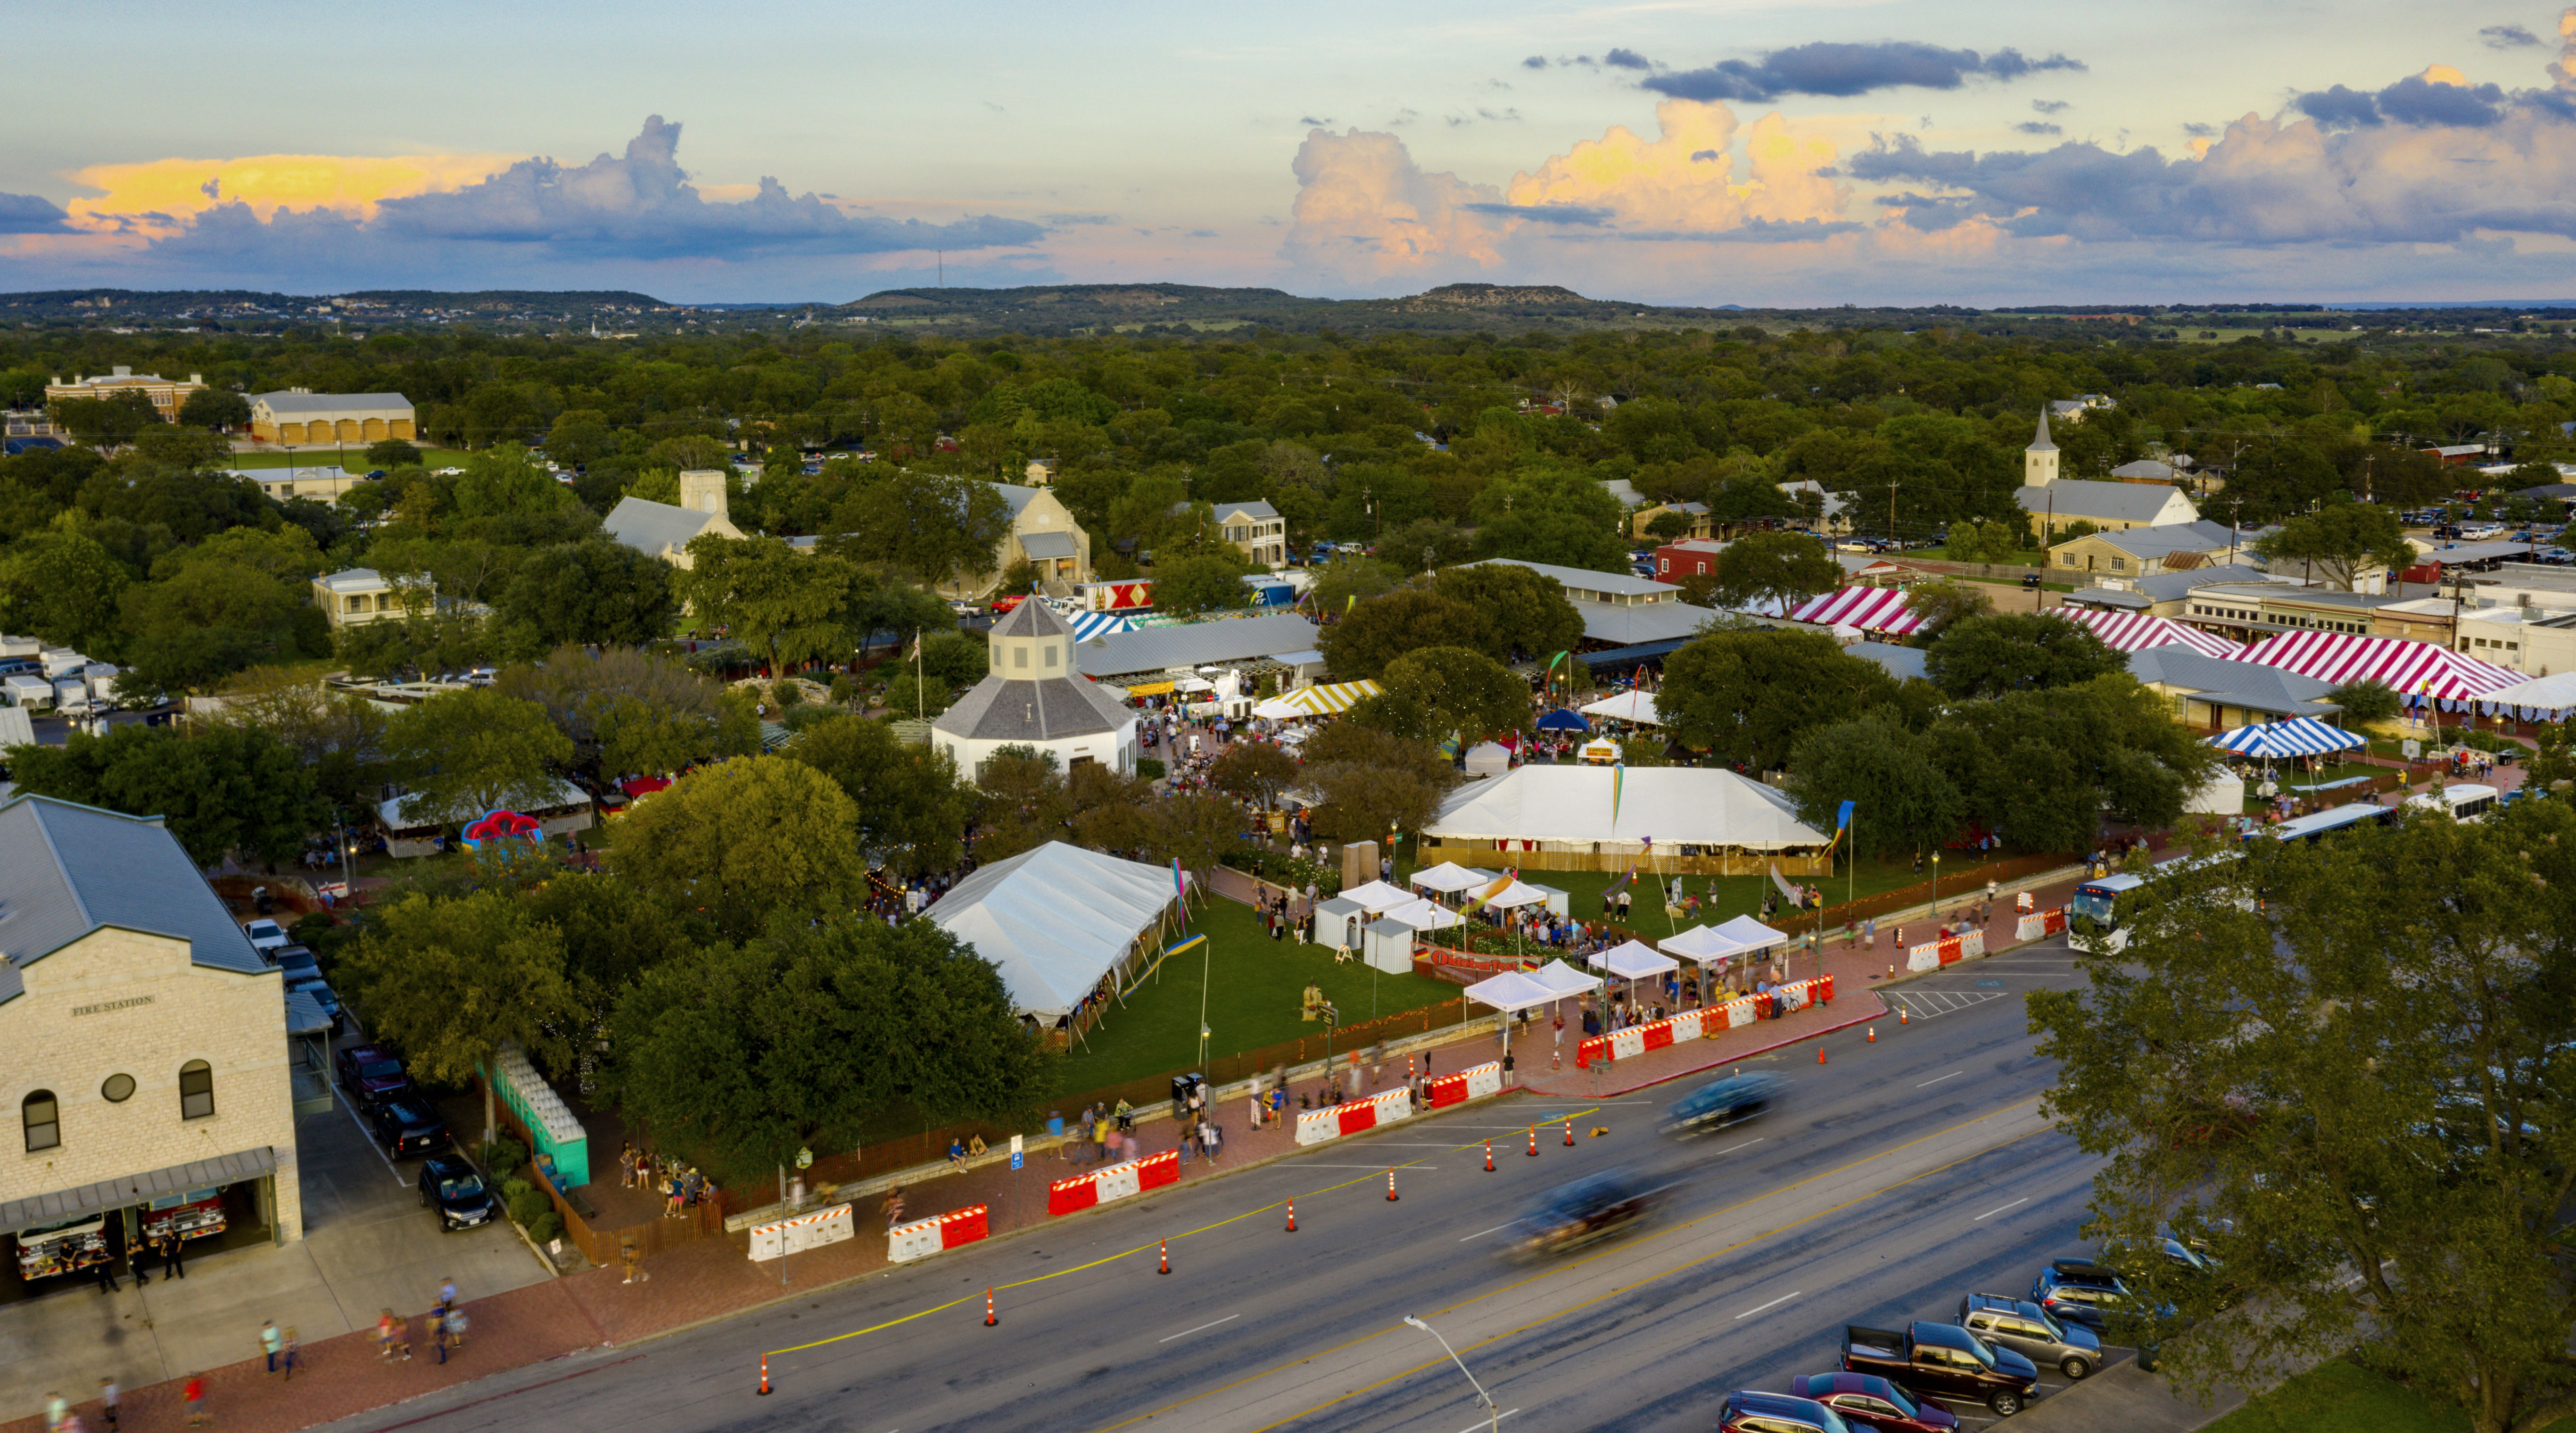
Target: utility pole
1891, 513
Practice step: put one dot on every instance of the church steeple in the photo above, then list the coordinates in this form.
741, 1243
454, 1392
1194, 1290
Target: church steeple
2039, 460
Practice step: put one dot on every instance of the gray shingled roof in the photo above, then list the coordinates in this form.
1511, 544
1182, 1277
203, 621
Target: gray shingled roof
649, 526
284, 403
2172, 537
1017, 495
1191, 644
2235, 684
2041, 444
1031, 619
1001, 709
2080, 498
68, 869
1257, 510
1047, 544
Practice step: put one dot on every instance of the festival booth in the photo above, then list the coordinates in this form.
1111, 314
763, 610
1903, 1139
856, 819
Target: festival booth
1511, 993
1449, 878
2542, 699
1391, 937
412, 828
2137, 631
2413, 670
1634, 961
1717, 948
1565, 980
1488, 759
1563, 720
1665, 820
1064, 925
1630, 706
2299, 736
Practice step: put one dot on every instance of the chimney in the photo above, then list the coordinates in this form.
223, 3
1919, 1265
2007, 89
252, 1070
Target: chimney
197, 378
122, 371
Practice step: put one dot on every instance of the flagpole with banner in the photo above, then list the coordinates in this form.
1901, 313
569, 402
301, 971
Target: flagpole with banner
1851, 877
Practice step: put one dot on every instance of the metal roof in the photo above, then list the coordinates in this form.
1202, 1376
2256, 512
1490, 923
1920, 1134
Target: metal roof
1584, 579
1000, 708
651, 527
1047, 544
282, 403
1191, 644
2070, 498
90, 1200
68, 869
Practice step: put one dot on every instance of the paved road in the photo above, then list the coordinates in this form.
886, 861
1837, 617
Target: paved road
1897, 1178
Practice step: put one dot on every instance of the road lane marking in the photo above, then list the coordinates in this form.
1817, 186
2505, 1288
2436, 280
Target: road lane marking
1732, 1148
1481, 1233
1991, 1213
1371, 1166
1490, 1422
1203, 1328
1954, 1074
1775, 1303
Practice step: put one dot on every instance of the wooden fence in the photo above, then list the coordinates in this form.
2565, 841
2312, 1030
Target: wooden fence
599, 1245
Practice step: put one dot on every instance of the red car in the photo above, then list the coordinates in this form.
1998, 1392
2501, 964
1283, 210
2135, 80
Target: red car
370, 1072
1867, 1401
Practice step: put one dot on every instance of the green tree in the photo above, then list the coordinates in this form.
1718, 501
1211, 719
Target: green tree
450, 982
1423, 545
927, 526
789, 606
1527, 615
169, 445
1347, 580
216, 408
61, 585
744, 838
392, 453
220, 791
2555, 761
909, 806
745, 1053
2365, 701
1559, 515
628, 711
1255, 771
1761, 569
340, 739
1187, 585
1938, 604
1021, 803
2338, 543
2344, 1065
1446, 694
104, 423
504, 481
1903, 800
467, 752
1668, 525
1382, 629
2042, 768
1375, 782
1989, 655
1751, 694
919, 698
595, 591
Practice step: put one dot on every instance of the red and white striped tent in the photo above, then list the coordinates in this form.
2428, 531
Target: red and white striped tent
2404, 667
1880, 610
2136, 631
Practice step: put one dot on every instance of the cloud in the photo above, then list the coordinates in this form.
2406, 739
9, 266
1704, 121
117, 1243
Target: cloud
2198, 130
30, 214
1627, 60
2032, 126
1313, 123
2439, 96
1365, 210
1546, 213
2507, 37
1535, 62
2049, 106
1059, 221
1844, 70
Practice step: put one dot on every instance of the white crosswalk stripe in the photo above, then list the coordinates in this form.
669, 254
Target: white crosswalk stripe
1926, 1004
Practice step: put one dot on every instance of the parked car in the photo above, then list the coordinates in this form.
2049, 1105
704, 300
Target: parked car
370, 1073
2086, 1292
2032, 1332
1750, 1412
296, 962
406, 1125
1720, 1103
267, 937
1944, 1361
449, 1185
313, 985
1595, 1207
1868, 1401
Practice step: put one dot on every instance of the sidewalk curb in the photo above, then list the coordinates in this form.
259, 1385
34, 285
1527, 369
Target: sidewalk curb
1739, 1056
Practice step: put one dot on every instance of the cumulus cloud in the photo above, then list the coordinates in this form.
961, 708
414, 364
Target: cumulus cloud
31, 214
1843, 70
1365, 210
2049, 106
2507, 37
2439, 96
2032, 126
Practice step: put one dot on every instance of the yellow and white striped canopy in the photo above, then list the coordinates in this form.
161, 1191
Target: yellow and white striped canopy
1320, 700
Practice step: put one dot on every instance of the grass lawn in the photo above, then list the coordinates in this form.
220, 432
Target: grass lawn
352, 457
1253, 991
2346, 1397
1740, 895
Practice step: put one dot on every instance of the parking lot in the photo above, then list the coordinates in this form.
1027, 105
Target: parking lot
368, 1245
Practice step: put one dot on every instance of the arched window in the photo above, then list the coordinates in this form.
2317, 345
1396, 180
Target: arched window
44, 1120
196, 1090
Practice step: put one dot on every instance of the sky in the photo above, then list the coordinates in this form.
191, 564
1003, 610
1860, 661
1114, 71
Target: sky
1701, 152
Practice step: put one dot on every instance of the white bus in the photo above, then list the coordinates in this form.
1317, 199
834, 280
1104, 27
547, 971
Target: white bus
2464, 802
2097, 902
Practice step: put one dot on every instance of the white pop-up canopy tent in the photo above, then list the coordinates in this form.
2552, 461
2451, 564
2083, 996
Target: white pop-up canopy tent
1638, 707
1518, 893
1635, 960
1449, 876
1564, 979
1510, 993
1378, 896
1423, 915
1055, 920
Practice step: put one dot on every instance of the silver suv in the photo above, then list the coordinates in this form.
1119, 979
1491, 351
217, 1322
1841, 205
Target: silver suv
2031, 1331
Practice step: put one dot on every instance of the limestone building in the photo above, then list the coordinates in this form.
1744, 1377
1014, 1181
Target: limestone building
167, 395
299, 417
664, 531
2057, 504
1033, 697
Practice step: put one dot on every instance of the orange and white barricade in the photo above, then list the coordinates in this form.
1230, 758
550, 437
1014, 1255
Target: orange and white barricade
805, 1231
1118, 1181
2040, 923
1352, 1116
1705, 1023
1935, 954
925, 1237
1470, 1084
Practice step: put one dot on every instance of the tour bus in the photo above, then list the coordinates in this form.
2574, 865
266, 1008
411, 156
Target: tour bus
2327, 822
2097, 901
2465, 802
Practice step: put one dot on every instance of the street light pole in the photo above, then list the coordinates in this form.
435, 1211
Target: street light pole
1494, 1416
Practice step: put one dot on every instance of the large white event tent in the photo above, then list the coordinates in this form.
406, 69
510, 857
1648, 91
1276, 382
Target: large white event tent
1323, 700
1577, 807
1056, 920
2540, 699
1635, 706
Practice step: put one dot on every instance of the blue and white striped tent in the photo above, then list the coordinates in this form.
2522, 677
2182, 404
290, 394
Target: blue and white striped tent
2299, 736
1087, 625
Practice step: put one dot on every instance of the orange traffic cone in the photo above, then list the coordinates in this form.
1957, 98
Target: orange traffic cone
1390, 1186
1569, 1134
989, 1320
1292, 1216
1166, 1249
1873, 1035
1489, 1156
1900, 1014
1820, 1054
1533, 1141
764, 1375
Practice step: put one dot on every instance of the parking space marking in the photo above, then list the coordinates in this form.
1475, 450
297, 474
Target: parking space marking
1203, 1328
1490, 1422
1954, 1074
368, 1136
1929, 1004
1775, 1303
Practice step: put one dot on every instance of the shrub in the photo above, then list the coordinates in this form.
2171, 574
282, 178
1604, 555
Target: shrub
525, 1202
1150, 768
502, 1157
787, 693
548, 1225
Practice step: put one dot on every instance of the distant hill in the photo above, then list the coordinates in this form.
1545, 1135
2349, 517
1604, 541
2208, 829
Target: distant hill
1133, 306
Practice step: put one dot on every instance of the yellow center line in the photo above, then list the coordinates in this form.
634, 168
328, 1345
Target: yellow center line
1151, 1248
1581, 1260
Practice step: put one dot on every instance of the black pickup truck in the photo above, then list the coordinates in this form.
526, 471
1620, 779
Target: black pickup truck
1945, 1361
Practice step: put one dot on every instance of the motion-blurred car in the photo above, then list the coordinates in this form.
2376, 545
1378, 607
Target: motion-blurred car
1595, 1207
1720, 1103
1866, 1400
1749, 1411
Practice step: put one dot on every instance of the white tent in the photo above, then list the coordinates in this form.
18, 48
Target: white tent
1564, 979
2540, 699
1511, 991
1638, 707
1279, 709
1423, 915
1449, 876
1740, 936
1489, 759
1635, 960
1578, 806
1055, 919
1518, 893
1379, 896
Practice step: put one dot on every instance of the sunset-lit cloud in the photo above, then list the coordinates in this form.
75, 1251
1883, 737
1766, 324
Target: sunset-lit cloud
160, 196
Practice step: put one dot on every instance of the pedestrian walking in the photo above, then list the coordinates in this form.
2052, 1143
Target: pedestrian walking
626, 1167
393, 1336
107, 1395
893, 1206
57, 1408
1556, 1057
271, 1342
286, 1359
1869, 933
193, 1394
632, 1256
447, 1292
438, 1332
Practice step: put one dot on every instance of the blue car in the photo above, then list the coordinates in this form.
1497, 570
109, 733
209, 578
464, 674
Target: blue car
1720, 1103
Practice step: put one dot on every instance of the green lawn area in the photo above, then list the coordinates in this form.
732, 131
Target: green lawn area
2345, 1397
1254, 986
354, 457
